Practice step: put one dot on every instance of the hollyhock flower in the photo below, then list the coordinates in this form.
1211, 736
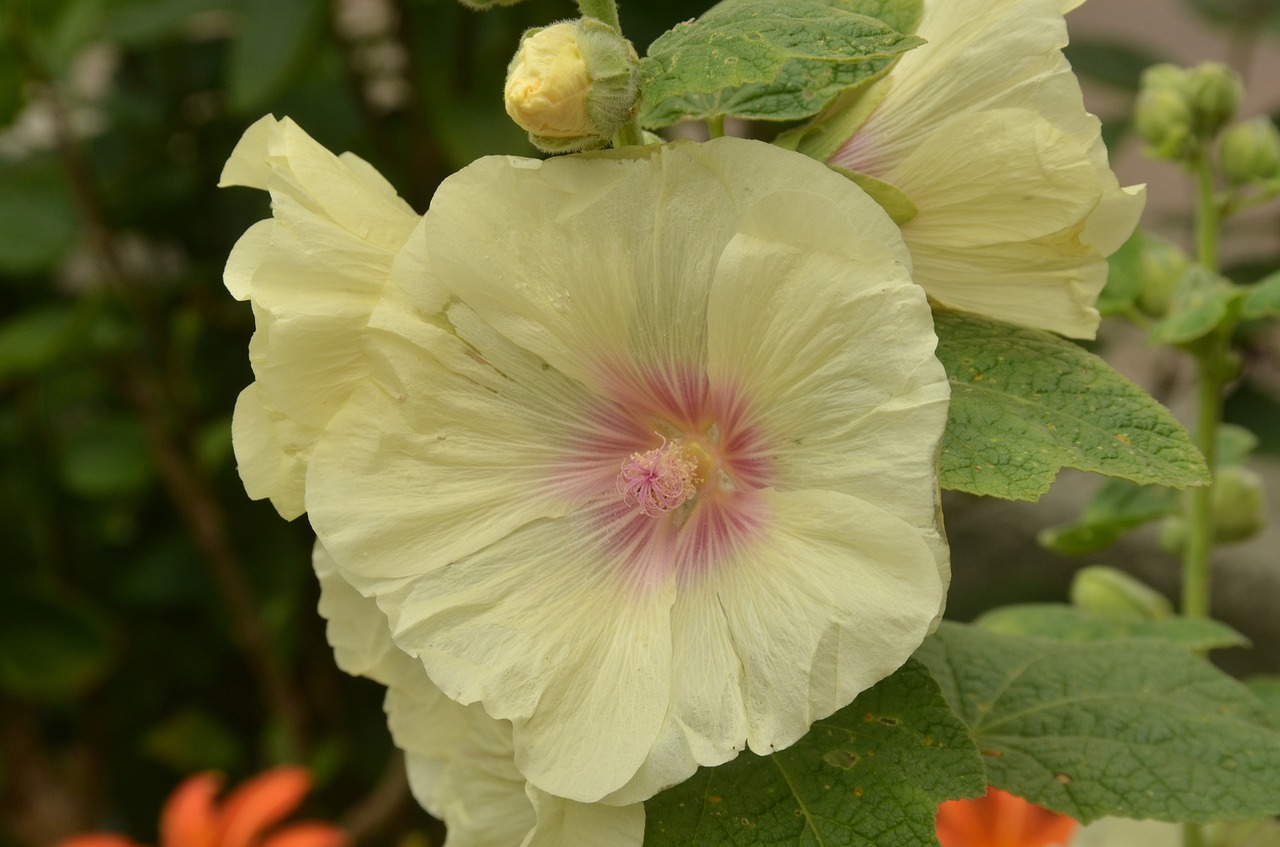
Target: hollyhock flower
647, 465
1011, 207
314, 272
460, 761
1000, 819
193, 817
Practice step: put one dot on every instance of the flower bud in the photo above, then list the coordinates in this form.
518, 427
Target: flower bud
1250, 151
1162, 266
1162, 114
572, 85
1111, 592
1238, 504
1214, 92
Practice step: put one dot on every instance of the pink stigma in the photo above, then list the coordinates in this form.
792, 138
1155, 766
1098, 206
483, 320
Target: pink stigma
660, 480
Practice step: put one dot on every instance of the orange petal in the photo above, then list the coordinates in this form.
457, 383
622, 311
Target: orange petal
1001, 819
98, 839
259, 803
309, 834
189, 818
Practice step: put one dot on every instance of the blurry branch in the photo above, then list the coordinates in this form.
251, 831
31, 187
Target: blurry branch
52, 800
374, 812
184, 479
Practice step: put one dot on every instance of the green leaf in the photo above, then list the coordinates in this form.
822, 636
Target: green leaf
1025, 403
758, 59
34, 339
275, 36
194, 740
1262, 299
51, 647
1138, 728
1068, 623
1235, 443
871, 774
1118, 507
37, 217
1124, 277
1202, 301
891, 198
107, 459
1267, 689
138, 22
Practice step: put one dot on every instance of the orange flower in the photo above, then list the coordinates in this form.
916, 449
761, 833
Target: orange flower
1001, 820
192, 817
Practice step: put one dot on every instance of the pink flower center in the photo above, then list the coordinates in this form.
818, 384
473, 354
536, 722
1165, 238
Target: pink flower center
660, 480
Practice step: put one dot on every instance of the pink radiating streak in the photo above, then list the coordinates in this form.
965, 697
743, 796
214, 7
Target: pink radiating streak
686, 533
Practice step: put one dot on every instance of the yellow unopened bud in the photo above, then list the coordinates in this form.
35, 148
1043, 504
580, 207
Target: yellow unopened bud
547, 84
572, 85
1250, 151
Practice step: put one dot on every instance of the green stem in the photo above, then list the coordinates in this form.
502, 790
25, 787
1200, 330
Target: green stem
628, 134
601, 10
1207, 222
1192, 835
1211, 354
1195, 562
715, 126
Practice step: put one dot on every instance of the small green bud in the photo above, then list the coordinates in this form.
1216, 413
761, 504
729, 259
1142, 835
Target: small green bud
1173, 535
1162, 265
1250, 151
572, 85
1111, 592
1239, 506
1162, 114
1214, 92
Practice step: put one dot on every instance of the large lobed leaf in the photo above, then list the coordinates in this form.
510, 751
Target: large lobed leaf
871, 774
1026, 403
1070, 623
1134, 728
763, 60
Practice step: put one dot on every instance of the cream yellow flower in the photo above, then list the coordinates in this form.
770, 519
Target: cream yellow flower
659, 482
460, 761
984, 130
315, 272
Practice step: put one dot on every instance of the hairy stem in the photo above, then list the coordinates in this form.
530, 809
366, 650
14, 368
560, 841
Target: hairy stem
601, 10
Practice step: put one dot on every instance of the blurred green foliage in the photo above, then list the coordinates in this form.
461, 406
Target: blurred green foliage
153, 620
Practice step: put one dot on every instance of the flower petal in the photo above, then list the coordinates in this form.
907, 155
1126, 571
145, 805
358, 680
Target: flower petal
190, 815
315, 272
98, 839
547, 636
989, 139
460, 761
836, 596
837, 353
308, 834
656, 218
258, 803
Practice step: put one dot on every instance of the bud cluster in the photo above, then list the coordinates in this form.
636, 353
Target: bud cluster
1180, 110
